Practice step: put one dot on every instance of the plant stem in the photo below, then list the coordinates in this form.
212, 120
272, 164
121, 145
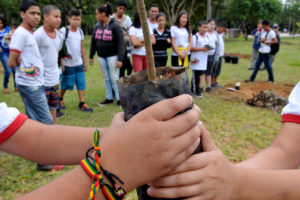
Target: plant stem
148, 45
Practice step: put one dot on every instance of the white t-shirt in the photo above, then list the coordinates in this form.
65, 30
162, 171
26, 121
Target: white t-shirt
199, 58
152, 25
31, 70
291, 112
264, 48
221, 44
126, 21
181, 36
10, 121
212, 38
73, 43
138, 33
49, 48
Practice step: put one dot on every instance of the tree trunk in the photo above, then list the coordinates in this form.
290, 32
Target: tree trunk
147, 39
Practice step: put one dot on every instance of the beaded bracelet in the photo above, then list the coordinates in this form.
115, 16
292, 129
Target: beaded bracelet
93, 169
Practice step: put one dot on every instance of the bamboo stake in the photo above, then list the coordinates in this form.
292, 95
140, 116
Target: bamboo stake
148, 45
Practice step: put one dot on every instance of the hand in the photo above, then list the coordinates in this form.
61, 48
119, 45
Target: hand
152, 143
182, 55
91, 62
119, 64
207, 175
63, 68
206, 49
85, 67
19, 61
169, 40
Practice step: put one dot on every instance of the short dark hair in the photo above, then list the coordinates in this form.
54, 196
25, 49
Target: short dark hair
74, 12
177, 22
136, 20
154, 5
26, 4
202, 22
222, 24
4, 21
122, 3
48, 8
106, 8
265, 22
212, 20
161, 14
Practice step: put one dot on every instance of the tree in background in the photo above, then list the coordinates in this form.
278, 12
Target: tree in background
245, 14
290, 16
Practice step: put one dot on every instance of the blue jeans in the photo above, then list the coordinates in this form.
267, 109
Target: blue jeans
110, 75
263, 57
35, 102
4, 60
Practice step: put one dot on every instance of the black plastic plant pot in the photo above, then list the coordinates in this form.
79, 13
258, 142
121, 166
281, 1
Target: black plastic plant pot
227, 58
137, 93
235, 59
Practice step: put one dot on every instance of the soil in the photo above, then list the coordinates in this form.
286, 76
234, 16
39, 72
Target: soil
244, 56
248, 90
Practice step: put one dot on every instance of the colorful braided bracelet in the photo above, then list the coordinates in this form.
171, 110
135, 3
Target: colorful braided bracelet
93, 169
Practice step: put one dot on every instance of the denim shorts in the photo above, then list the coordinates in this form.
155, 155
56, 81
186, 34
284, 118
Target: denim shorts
35, 103
72, 76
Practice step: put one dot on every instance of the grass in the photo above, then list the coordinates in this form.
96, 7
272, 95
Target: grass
238, 130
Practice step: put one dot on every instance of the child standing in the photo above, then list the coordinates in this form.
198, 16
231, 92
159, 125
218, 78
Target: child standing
163, 41
181, 40
199, 58
212, 38
49, 42
137, 40
5, 32
30, 73
222, 28
74, 66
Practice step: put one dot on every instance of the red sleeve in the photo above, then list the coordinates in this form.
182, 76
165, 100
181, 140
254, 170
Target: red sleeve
291, 118
12, 128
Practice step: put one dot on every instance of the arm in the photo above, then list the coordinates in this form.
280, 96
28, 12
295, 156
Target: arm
136, 43
158, 136
84, 56
120, 43
210, 174
283, 153
274, 41
153, 40
194, 49
174, 47
93, 47
43, 145
190, 45
14, 59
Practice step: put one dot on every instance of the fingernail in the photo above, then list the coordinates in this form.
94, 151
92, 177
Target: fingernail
197, 142
150, 191
191, 98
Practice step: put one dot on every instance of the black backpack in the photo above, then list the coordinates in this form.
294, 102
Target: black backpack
63, 53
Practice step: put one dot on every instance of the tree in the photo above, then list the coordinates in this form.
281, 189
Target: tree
290, 15
246, 13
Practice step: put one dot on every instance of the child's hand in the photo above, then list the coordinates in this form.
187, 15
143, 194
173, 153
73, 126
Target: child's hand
169, 40
208, 175
152, 143
91, 62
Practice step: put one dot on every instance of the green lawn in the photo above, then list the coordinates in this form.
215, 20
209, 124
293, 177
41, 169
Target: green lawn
238, 130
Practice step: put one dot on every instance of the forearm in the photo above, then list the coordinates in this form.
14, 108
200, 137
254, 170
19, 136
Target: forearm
175, 49
256, 184
50, 144
84, 57
195, 49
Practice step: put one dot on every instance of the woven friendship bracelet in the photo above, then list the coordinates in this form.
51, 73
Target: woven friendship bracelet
93, 169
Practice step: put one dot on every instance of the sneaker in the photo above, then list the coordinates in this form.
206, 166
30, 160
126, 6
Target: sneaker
270, 81
85, 108
5, 91
199, 94
106, 102
208, 89
62, 105
49, 168
60, 114
214, 85
248, 80
251, 68
118, 103
217, 85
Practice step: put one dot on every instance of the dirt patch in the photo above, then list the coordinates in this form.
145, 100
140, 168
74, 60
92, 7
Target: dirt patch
247, 90
244, 56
